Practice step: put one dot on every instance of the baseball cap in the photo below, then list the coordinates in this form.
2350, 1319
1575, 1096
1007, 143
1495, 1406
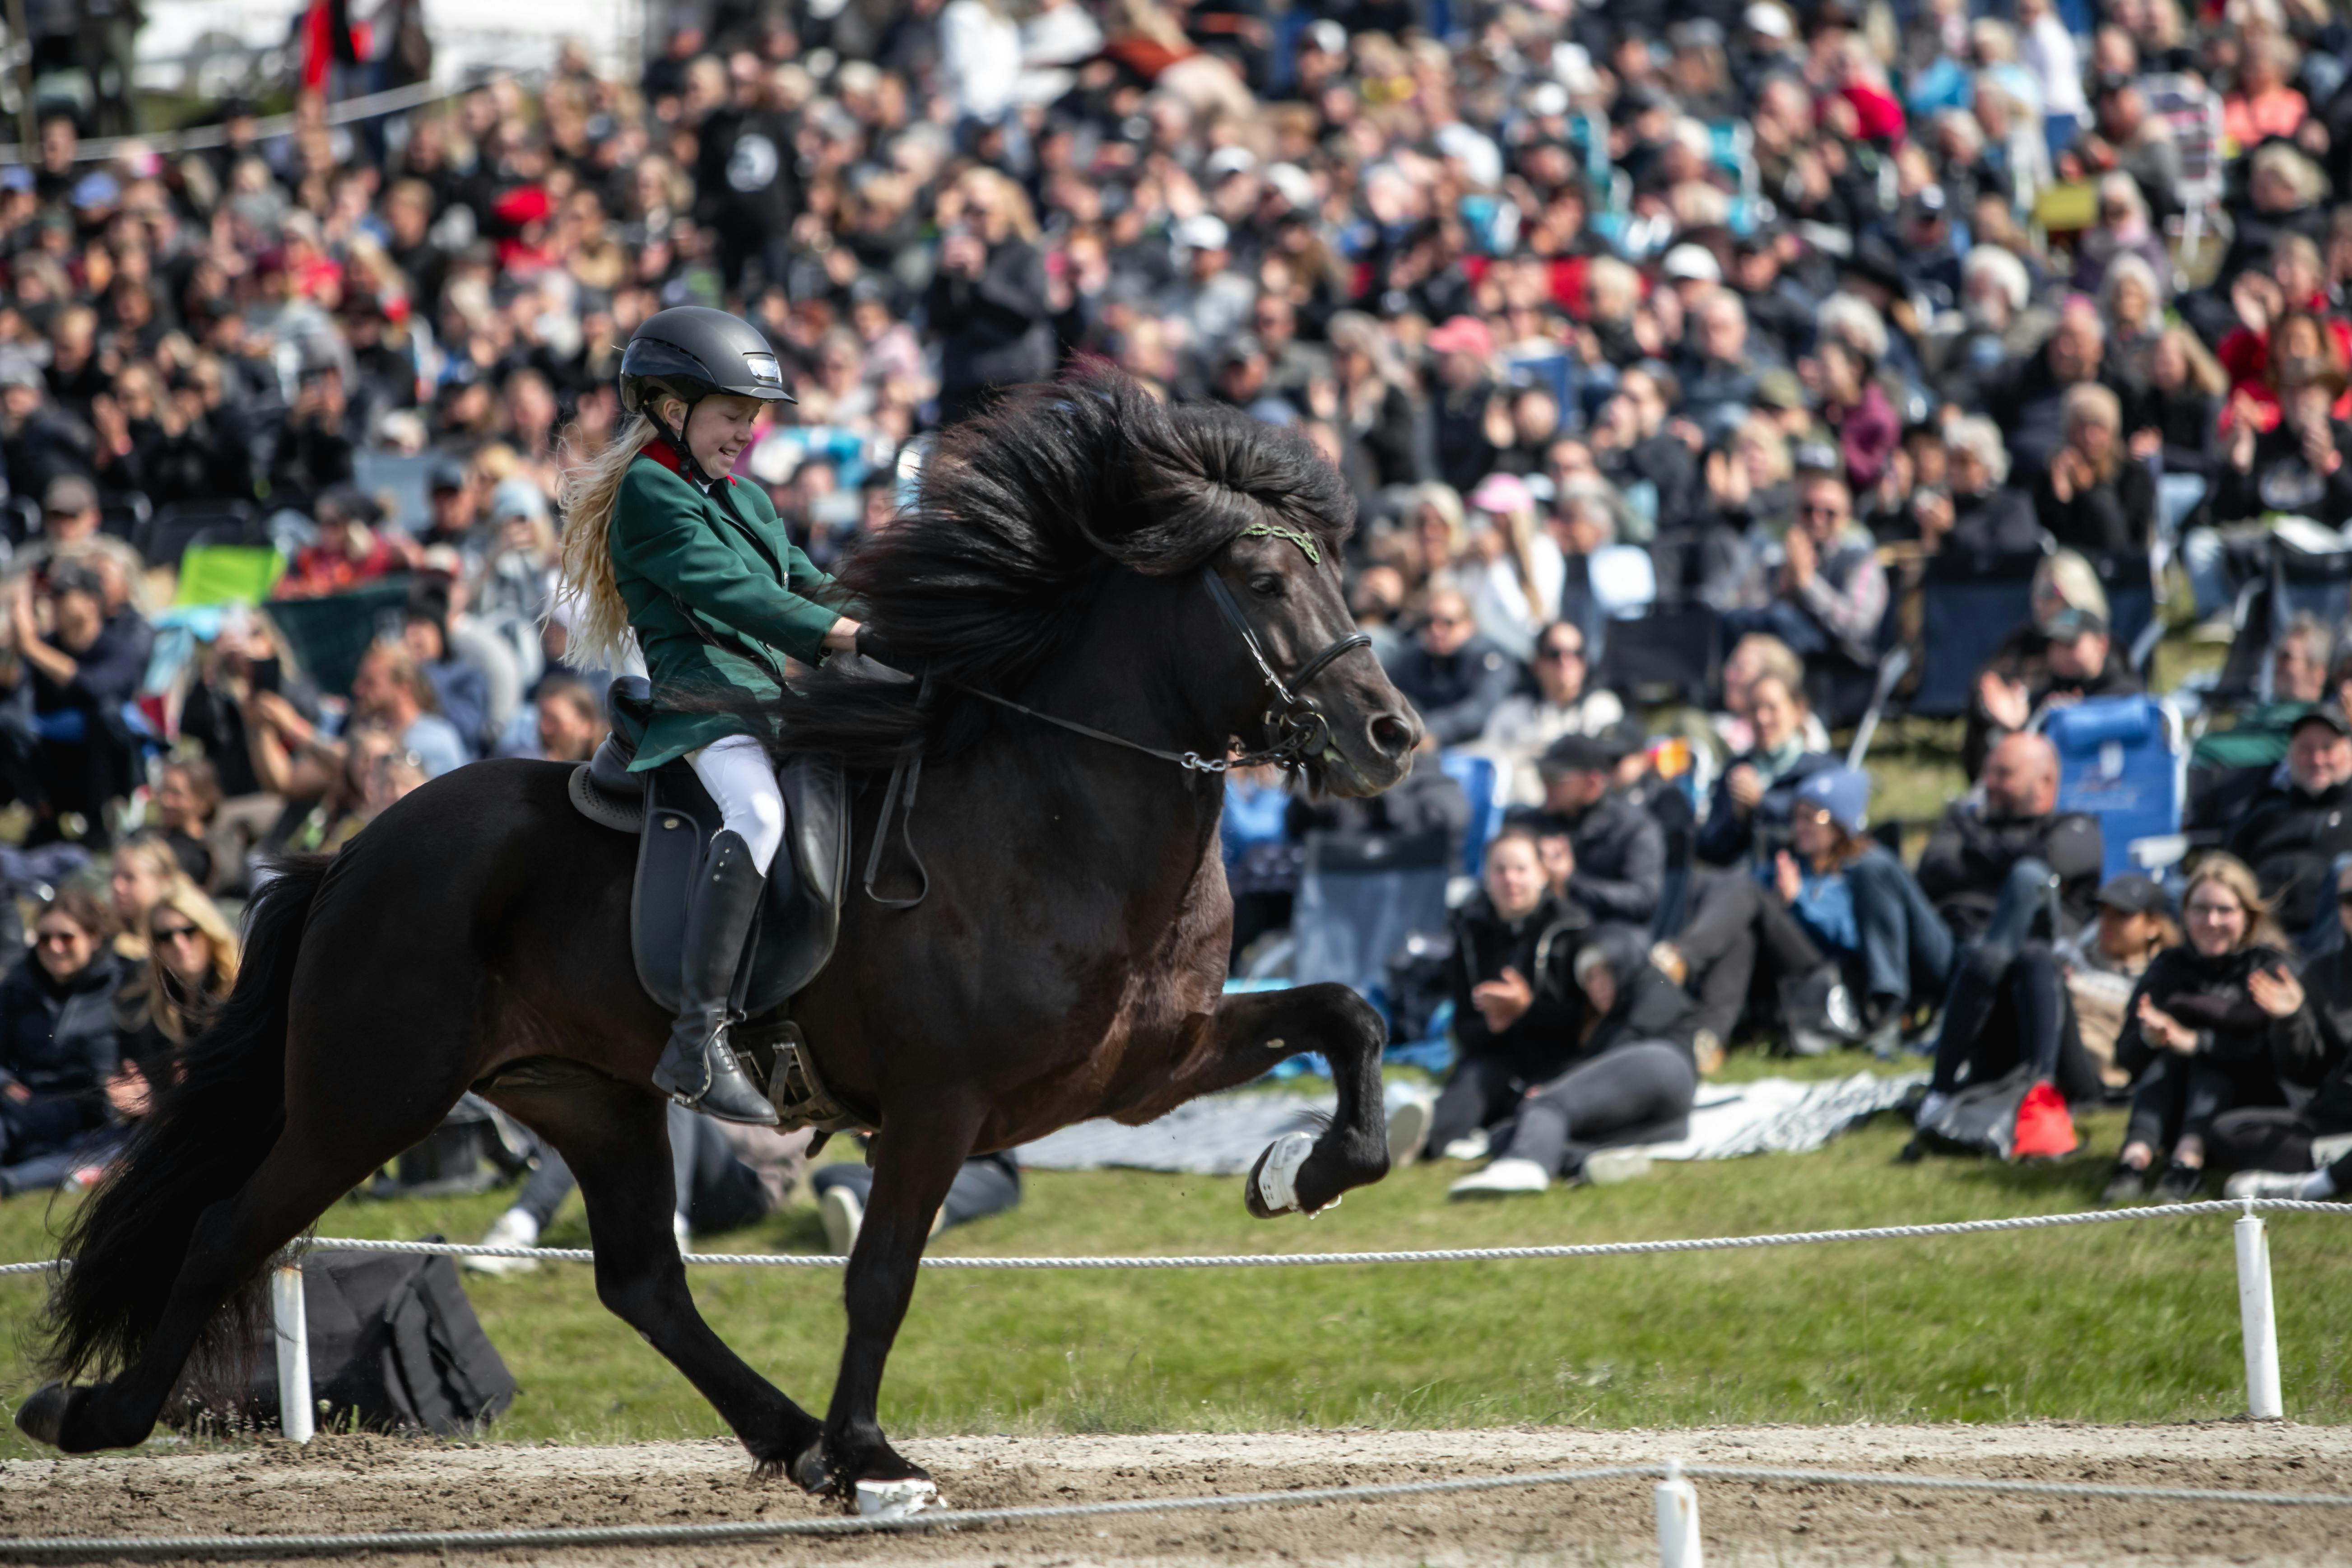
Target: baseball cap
1693, 263
2326, 713
1769, 21
1296, 186
1779, 389
17, 369
449, 474
1579, 754
517, 497
1502, 494
1230, 161
1844, 792
2133, 894
1329, 36
1202, 231
69, 495
1463, 335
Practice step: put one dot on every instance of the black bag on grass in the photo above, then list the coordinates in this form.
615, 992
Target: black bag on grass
395, 1345
2019, 1117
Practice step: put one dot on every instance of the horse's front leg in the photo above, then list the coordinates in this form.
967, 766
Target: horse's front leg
1301, 1173
914, 1165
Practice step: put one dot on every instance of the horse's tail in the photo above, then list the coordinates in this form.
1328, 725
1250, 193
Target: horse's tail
204, 1135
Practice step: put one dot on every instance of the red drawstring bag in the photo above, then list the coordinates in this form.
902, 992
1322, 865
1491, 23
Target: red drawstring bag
2044, 1130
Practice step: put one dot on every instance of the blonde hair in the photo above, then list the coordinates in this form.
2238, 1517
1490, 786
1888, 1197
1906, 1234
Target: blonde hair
2262, 926
589, 491
176, 1020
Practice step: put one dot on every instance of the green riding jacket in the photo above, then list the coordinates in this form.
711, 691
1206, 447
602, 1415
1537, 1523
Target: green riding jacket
702, 590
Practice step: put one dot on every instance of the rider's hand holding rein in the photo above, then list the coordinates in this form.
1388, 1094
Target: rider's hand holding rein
663, 542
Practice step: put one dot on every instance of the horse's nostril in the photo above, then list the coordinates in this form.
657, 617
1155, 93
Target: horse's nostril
1392, 735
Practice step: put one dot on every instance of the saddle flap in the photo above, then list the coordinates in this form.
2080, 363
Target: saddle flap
800, 918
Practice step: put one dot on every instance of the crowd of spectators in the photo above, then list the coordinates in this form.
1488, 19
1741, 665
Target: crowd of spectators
1754, 316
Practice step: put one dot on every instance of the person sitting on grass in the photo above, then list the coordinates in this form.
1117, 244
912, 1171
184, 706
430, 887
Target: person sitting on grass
1633, 1079
2272, 1149
58, 1046
2216, 1024
1859, 905
2012, 875
2104, 964
1517, 1007
1614, 864
1749, 818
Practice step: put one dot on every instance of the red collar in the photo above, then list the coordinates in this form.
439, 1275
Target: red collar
662, 452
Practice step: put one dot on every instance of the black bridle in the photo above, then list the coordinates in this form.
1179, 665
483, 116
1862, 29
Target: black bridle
1296, 730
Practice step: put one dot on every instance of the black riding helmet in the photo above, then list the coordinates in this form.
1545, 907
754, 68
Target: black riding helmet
691, 352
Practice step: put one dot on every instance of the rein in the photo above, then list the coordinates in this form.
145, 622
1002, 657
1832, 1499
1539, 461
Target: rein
1297, 727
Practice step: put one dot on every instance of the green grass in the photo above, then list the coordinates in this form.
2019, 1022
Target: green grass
2133, 1322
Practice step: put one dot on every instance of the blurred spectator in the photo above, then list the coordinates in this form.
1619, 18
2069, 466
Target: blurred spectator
1754, 656
567, 720
1516, 1006
1515, 574
1451, 672
1633, 1079
2095, 498
75, 668
2274, 1143
187, 797
168, 996
1983, 515
58, 1043
2064, 655
1830, 591
1615, 861
2259, 734
2295, 832
1749, 818
1859, 906
144, 870
2216, 1024
69, 534
988, 299
354, 547
2104, 963
1525, 724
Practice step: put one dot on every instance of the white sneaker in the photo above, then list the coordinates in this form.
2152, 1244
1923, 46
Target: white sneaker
1409, 1130
842, 1212
685, 1234
1470, 1146
1607, 1167
2266, 1184
513, 1228
1931, 1105
1505, 1178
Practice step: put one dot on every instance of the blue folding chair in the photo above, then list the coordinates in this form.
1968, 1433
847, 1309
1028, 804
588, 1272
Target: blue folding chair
2123, 759
1359, 896
1479, 782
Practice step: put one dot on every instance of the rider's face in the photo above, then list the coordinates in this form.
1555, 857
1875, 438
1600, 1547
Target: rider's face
720, 428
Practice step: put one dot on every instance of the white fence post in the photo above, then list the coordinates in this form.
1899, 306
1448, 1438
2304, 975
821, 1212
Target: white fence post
1679, 1540
2256, 1321
294, 1413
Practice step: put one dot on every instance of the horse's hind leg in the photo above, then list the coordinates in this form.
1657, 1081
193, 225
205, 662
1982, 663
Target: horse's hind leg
311, 1164
616, 1140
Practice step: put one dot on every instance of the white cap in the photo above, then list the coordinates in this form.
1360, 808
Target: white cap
1203, 231
1546, 98
1768, 20
1296, 186
1480, 158
1694, 263
1329, 36
1230, 161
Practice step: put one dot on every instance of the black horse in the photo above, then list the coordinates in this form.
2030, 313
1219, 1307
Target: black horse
1154, 574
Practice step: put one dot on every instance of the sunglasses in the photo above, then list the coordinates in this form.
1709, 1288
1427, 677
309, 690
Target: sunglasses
176, 933
59, 937
1562, 655
1822, 510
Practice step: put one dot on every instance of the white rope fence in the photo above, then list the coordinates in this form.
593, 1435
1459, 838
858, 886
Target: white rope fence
2257, 1318
1676, 1507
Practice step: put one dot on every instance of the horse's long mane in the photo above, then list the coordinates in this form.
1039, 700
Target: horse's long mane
1024, 512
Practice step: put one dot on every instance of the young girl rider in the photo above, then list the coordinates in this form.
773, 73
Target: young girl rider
661, 541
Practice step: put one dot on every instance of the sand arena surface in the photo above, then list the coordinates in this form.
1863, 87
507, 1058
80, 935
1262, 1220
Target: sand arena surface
366, 1483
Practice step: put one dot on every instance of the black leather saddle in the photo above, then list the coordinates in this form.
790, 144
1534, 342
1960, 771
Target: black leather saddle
674, 818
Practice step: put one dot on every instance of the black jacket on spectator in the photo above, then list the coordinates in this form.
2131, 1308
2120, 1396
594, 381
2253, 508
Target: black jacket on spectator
1968, 856
1620, 857
2282, 479
1542, 947
2291, 839
1727, 837
995, 326
58, 1037
1455, 692
1649, 1005
2026, 407
2327, 992
2025, 659
2000, 521
2209, 995
2114, 517
2189, 421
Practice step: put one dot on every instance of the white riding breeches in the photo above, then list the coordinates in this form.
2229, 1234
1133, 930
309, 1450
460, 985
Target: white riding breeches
740, 778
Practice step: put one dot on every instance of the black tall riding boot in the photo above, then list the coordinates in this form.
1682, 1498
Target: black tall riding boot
698, 1068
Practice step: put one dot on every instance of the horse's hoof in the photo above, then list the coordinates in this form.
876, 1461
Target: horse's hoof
1273, 1184
42, 1417
897, 1499
810, 1472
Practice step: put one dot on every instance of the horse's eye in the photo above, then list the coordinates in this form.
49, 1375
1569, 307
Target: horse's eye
1266, 584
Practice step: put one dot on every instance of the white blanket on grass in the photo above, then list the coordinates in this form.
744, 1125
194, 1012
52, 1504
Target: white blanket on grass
1224, 1134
